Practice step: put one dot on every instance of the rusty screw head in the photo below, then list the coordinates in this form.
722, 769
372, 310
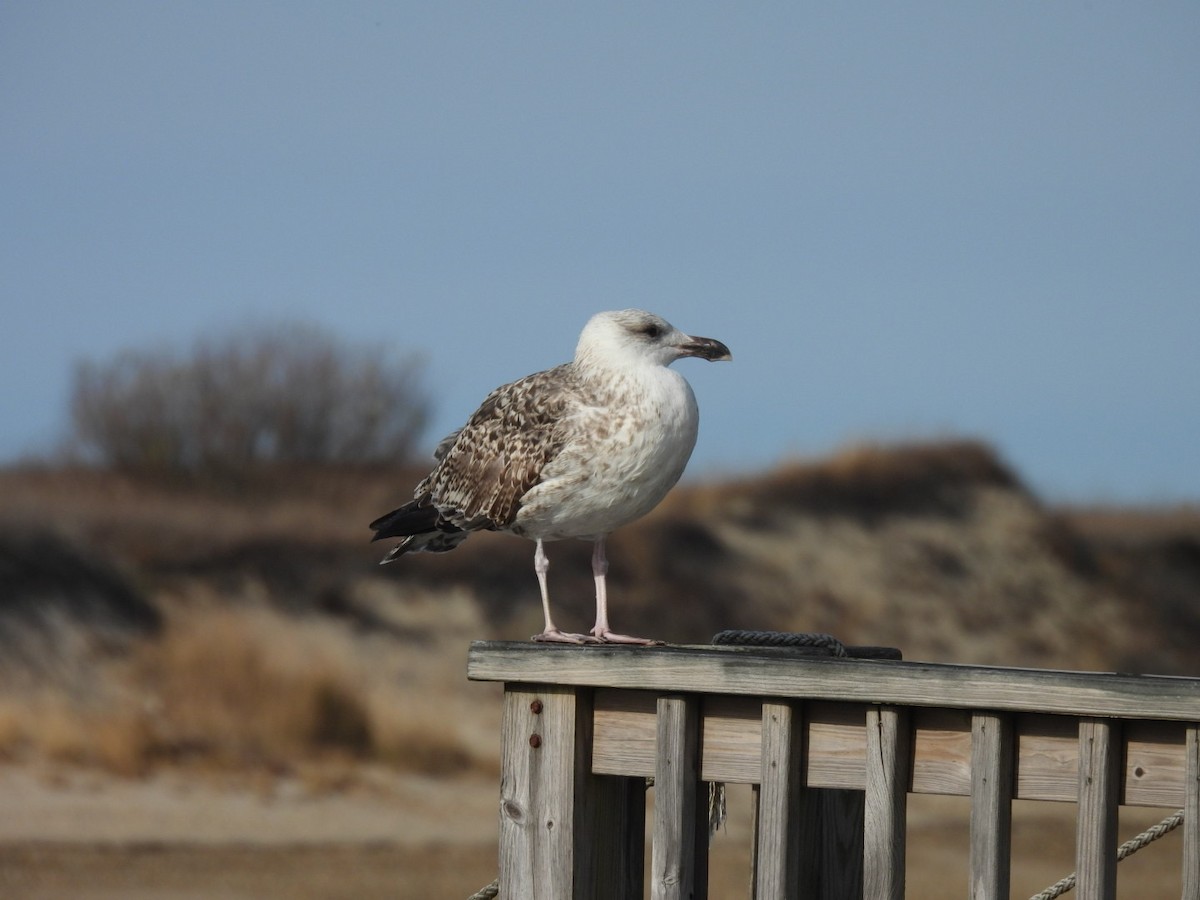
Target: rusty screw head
535, 740
536, 707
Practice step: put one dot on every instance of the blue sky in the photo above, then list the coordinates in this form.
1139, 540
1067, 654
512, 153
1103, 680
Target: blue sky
907, 220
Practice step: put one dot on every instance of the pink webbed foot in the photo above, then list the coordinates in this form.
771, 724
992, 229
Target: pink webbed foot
604, 636
555, 636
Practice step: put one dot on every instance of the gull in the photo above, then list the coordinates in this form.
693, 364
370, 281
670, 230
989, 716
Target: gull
575, 451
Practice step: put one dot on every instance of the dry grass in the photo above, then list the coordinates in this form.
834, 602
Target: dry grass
285, 651
239, 690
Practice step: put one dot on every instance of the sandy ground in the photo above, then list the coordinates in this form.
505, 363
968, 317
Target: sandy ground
84, 836
94, 837
169, 808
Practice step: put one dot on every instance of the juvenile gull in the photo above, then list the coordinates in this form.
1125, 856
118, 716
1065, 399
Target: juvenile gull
575, 451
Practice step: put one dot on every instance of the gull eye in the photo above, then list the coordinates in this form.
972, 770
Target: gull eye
651, 331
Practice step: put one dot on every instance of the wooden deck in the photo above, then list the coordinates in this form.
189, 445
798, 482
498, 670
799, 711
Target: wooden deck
833, 747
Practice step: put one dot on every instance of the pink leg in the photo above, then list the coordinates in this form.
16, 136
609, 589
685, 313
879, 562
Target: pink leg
600, 630
551, 632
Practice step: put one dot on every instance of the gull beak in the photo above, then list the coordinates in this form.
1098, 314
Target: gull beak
705, 348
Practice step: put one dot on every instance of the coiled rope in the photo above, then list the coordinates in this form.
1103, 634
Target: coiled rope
781, 639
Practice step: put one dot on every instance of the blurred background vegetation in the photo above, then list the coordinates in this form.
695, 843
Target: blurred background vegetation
189, 588
281, 393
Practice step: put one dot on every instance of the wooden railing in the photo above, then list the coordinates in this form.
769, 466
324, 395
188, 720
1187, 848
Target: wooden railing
834, 747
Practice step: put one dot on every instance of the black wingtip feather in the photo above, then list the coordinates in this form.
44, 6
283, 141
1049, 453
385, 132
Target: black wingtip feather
413, 518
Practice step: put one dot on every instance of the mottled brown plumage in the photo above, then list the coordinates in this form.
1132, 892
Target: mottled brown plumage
500, 453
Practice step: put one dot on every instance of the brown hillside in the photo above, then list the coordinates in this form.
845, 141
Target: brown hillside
209, 685
183, 611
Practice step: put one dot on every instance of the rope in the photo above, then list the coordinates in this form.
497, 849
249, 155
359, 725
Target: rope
487, 893
1130, 847
781, 639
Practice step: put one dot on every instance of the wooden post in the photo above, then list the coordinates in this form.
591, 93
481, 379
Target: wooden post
564, 833
1099, 796
888, 776
991, 805
679, 858
536, 793
1191, 815
779, 798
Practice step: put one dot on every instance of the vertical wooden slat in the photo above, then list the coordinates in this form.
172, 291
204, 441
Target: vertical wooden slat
1099, 799
832, 845
1191, 816
779, 798
679, 857
755, 808
611, 864
609, 820
991, 805
611, 827
537, 793
888, 776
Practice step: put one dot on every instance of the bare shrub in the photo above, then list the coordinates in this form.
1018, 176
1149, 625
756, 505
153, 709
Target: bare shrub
286, 394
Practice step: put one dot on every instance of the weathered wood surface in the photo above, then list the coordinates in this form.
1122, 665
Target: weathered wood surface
1191, 821
833, 747
743, 670
1096, 822
887, 765
537, 794
992, 786
564, 831
679, 855
780, 798
1046, 748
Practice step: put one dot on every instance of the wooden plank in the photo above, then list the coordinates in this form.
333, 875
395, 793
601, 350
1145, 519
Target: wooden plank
1047, 760
732, 733
732, 730
609, 820
625, 732
757, 671
777, 823
1155, 763
888, 758
941, 751
835, 742
679, 857
991, 805
537, 793
1191, 817
1096, 825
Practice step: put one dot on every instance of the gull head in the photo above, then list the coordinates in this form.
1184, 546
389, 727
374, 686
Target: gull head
631, 336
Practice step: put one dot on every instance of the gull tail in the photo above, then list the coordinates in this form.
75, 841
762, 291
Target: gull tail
420, 528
